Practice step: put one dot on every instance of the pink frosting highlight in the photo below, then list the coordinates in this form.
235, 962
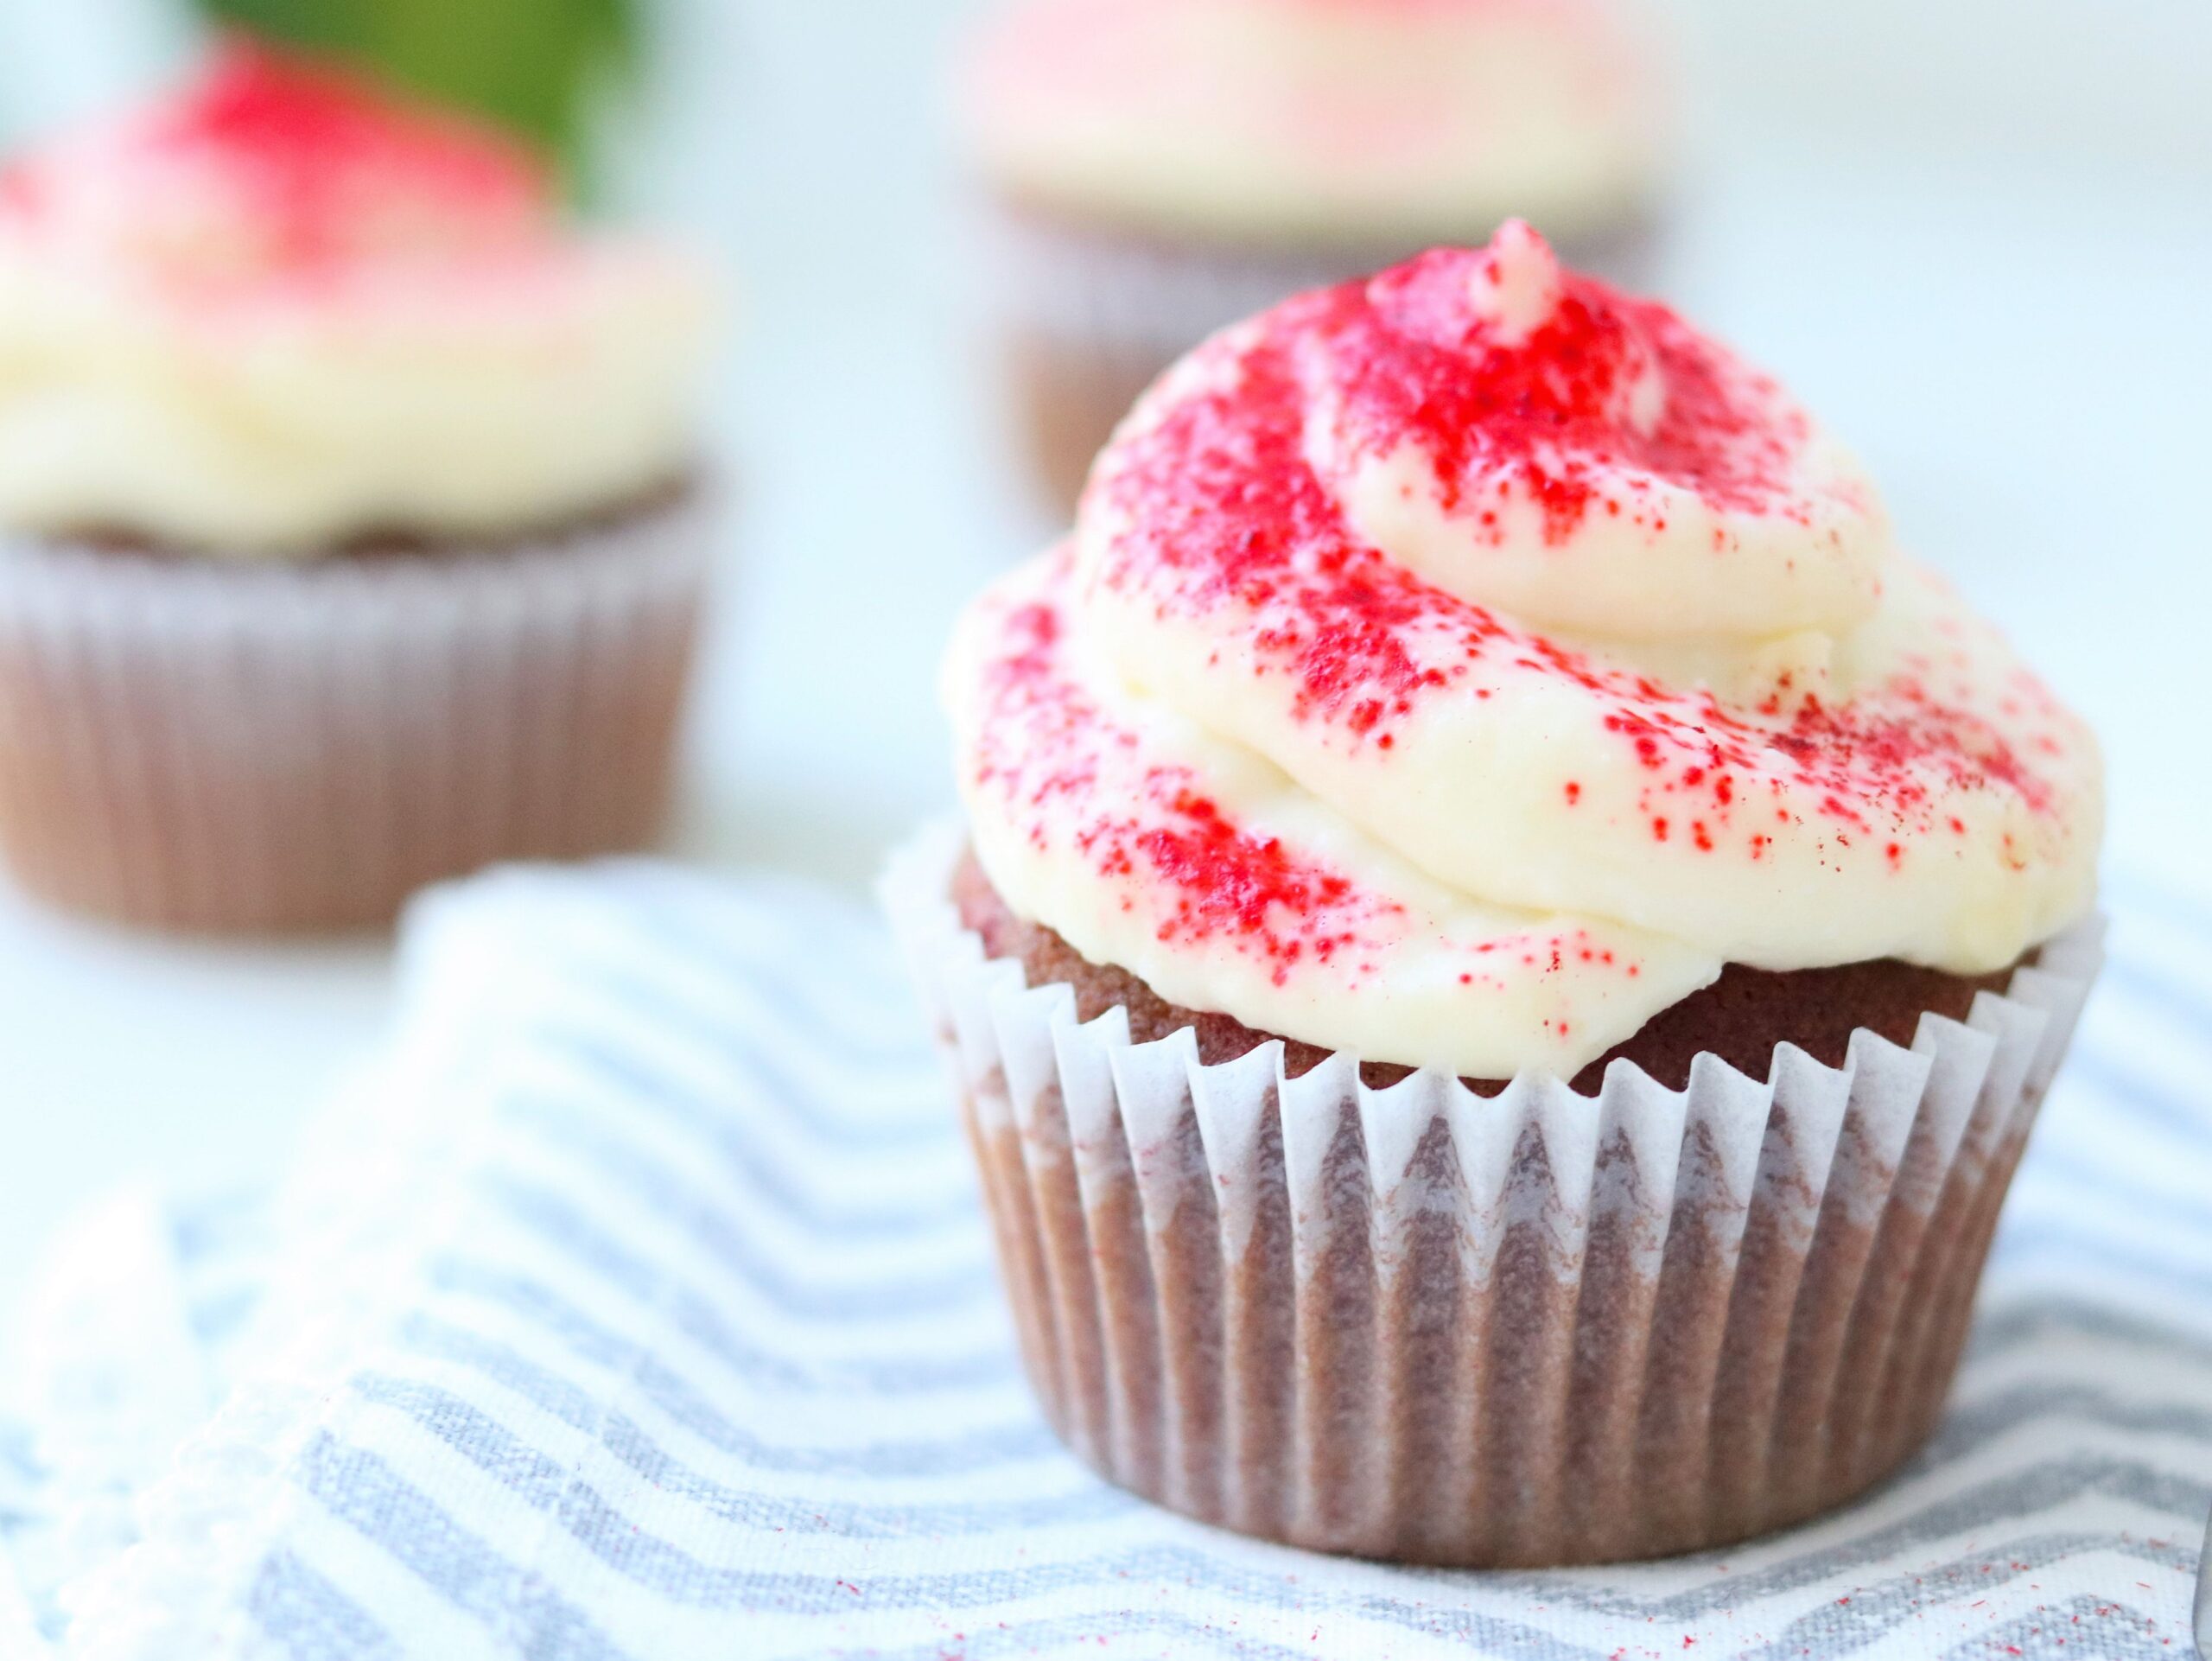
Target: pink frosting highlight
271, 169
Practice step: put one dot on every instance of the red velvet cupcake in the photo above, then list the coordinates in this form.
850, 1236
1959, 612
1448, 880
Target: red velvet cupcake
1507, 938
352, 528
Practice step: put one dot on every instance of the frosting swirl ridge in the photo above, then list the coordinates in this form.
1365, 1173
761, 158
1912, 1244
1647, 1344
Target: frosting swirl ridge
1530, 441
1524, 622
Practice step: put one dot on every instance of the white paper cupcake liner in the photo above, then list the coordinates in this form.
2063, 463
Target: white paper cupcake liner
206, 744
1536, 1329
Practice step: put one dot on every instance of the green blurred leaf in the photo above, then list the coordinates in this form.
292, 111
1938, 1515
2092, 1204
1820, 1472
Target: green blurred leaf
540, 68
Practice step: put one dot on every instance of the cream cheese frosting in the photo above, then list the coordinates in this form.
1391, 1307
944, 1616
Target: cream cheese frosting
1408, 121
1459, 667
280, 309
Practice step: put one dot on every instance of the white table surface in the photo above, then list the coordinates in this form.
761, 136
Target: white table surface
2020, 345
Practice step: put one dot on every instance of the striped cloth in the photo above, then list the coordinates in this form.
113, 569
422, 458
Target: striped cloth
637, 1304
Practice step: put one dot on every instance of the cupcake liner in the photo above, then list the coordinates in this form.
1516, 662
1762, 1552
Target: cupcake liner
207, 745
1534, 1329
1088, 317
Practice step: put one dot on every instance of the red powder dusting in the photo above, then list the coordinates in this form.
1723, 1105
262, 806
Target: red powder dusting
1223, 883
1411, 358
313, 143
1227, 522
1233, 518
1208, 879
320, 164
1230, 882
1221, 521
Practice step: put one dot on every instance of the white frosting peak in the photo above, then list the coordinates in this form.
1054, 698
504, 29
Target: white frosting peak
1516, 287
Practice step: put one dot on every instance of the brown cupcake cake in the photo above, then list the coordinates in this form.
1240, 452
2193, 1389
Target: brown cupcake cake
351, 530
1159, 168
1507, 940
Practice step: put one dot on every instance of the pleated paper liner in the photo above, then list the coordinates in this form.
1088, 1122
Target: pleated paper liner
217, 745
1536, 1329
1088, 318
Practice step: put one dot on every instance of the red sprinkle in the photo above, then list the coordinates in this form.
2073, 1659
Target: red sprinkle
1211, 514
322, 165
1227, 522
1224, 882
1412, 359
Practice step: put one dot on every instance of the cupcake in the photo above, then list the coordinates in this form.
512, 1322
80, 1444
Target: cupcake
1163, 167
1506, 938
352, 531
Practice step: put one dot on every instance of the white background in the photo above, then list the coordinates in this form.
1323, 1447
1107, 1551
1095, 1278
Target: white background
1975, 235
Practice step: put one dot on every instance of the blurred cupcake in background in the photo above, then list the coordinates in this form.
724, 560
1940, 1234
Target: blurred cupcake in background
352, 527
1166, 167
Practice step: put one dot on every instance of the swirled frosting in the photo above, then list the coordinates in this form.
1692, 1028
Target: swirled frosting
1459, 667
280, 308
1389, 121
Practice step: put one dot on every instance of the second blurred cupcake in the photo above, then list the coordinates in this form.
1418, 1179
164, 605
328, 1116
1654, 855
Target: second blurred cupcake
352, 533
1163, 167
